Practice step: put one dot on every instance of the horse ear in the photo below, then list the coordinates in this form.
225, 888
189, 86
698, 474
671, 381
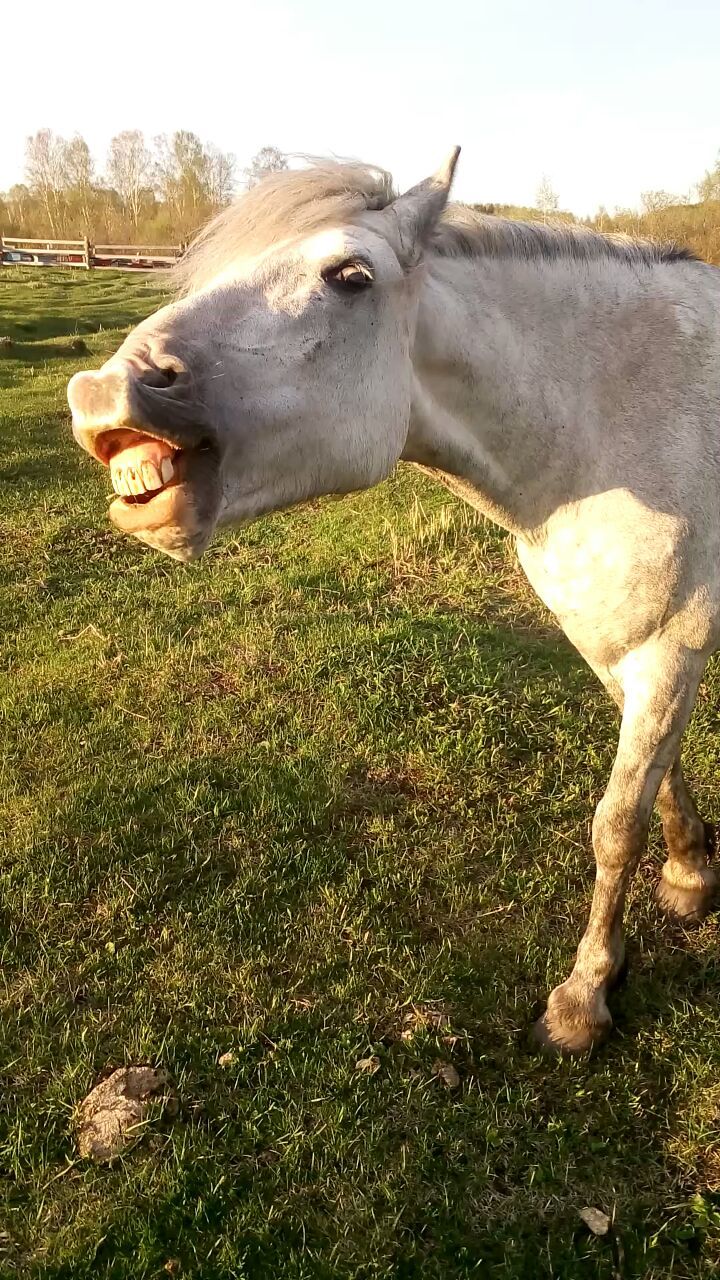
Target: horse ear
416, 212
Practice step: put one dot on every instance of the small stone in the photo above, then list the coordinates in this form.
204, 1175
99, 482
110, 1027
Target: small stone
368, 1065
226, 1059
446, 1072
595, 1220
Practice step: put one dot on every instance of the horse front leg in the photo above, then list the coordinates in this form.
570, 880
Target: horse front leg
658, 683
688, 886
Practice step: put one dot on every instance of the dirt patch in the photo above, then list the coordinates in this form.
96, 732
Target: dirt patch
110, 1117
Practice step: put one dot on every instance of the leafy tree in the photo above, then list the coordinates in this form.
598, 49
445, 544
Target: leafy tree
19, 206
709, 186
189, 177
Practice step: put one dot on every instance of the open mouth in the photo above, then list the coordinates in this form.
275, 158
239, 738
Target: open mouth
141, 466
162, 454
167, 495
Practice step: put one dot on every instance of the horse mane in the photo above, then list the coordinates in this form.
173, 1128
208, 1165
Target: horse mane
296, 202
465, 232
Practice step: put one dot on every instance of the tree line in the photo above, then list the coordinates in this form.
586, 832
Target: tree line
692, 219
162, 191
152, 193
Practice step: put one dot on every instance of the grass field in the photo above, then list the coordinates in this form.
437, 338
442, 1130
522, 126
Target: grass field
323, 795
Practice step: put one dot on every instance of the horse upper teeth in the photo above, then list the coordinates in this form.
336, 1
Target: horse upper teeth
151, 478
141, 468
119, 481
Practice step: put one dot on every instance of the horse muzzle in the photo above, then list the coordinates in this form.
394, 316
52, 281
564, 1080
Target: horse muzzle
142, 420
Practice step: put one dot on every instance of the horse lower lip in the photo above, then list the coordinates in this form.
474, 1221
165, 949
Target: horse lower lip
179, 518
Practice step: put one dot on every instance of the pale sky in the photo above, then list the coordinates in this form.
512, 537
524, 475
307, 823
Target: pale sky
608, 99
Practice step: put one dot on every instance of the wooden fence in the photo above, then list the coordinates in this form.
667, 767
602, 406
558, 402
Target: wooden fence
19, 251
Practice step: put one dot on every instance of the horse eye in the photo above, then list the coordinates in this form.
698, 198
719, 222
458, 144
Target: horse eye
351, 276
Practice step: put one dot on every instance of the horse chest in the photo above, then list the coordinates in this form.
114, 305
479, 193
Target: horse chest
609, 591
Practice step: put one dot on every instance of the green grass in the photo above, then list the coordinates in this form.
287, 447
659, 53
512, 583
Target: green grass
267, 803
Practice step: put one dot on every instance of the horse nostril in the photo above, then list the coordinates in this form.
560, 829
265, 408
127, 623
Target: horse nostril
161, 374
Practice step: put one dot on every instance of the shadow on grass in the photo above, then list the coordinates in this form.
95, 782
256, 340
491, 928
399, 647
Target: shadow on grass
344, 872
104, 315
50, 467
33, 352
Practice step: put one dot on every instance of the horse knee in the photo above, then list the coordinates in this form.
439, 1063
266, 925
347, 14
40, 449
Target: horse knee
618, 835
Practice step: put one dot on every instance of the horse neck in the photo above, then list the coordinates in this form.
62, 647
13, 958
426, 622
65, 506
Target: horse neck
515, 366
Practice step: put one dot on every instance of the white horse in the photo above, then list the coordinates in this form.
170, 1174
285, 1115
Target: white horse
565, 383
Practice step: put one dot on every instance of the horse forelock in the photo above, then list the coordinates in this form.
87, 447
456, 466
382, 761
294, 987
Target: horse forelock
283, 206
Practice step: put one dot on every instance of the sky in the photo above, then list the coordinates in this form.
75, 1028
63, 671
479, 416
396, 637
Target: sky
607, 99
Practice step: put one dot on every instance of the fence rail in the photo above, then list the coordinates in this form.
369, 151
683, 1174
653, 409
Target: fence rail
47, 243
23, 251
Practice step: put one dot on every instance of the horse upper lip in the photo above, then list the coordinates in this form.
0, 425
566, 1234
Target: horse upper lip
183, 441
115, 399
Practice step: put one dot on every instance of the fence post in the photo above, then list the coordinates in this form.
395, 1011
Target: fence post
2, 250
87, 254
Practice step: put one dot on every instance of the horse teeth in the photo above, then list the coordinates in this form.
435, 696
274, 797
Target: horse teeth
119, 483
150, 476
144, 478
141, 470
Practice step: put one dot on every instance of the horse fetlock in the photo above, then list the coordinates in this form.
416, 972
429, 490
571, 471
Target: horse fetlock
687, 892
573, 1022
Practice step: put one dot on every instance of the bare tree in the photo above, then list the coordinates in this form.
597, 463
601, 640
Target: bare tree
546, 198
654, 201
79, 180
45, 173
130, 171
220, 168
266, 160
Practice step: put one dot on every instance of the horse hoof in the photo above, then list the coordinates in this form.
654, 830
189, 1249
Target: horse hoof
566, 1029
688, 906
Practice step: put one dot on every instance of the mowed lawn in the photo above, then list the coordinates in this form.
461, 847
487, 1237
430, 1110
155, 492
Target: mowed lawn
324, 795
